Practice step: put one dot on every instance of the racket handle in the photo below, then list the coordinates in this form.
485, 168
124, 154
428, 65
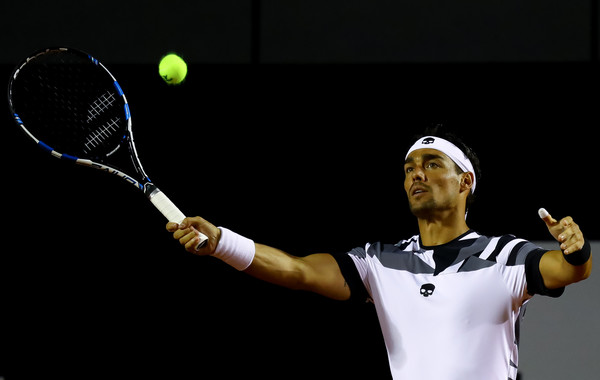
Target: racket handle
172, 213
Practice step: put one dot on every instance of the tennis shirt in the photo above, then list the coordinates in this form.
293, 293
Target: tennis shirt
448, 312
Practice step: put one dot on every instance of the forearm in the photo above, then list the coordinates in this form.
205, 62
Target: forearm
318, 273
277, 267
557, 272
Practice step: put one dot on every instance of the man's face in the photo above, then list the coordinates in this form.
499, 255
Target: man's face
431, 182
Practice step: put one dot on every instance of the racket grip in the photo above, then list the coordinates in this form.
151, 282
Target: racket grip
172, 213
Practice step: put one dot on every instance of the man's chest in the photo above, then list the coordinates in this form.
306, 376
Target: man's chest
467, 297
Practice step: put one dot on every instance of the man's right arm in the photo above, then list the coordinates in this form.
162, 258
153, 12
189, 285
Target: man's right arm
318, 273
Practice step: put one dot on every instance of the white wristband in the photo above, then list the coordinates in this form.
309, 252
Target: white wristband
235, 250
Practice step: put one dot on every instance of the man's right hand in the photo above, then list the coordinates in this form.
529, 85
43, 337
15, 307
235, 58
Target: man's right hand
187, 234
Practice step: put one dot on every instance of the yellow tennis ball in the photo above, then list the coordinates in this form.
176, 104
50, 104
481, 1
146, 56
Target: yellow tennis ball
172, 68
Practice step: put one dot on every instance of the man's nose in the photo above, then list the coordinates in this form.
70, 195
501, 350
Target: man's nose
418, 174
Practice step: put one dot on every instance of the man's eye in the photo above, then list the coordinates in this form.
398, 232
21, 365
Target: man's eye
432, 165
408, 169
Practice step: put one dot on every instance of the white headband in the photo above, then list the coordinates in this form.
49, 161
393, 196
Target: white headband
449, 149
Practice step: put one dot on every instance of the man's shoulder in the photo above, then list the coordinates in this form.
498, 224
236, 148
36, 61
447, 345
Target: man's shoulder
407, 245
378, 247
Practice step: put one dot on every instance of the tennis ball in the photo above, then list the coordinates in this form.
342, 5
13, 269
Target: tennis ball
172, 68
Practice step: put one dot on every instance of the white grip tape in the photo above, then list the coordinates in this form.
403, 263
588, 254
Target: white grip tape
166, 207
172, 213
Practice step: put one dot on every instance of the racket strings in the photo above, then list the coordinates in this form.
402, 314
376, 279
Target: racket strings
97, 137
100, 105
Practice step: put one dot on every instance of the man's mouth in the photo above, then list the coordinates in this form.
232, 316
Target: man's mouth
418, 190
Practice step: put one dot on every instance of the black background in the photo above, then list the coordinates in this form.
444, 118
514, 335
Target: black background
291, 129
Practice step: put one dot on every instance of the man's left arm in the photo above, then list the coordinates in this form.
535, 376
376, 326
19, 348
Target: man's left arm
570, 264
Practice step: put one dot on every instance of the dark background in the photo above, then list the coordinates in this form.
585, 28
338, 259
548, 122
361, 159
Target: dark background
291, 129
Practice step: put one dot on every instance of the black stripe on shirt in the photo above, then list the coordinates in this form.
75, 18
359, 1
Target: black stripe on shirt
535, 281
358, 292
501, 244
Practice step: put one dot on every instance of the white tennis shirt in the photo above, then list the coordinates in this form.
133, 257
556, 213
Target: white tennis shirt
449, 312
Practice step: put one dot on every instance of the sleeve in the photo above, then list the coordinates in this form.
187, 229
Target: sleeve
535, 281
354, 274
521, 261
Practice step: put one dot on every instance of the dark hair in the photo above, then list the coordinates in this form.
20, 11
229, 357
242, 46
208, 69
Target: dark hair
438, 130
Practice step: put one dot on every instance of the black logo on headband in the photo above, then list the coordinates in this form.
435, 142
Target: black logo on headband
428, 140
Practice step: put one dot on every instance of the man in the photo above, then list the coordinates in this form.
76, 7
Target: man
448, 300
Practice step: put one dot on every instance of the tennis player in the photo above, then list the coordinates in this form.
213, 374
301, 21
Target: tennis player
448, 300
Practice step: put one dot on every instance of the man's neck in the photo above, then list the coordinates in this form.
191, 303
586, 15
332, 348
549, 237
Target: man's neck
439, 230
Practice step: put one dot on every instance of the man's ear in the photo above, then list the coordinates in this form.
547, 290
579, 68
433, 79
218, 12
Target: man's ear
466, 181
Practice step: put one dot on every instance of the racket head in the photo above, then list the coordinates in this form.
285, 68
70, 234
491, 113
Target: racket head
70, 104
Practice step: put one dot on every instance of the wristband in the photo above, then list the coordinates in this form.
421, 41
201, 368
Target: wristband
580, 257
235, 250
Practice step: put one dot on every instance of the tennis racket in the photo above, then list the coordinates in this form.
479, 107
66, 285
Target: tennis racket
71, 106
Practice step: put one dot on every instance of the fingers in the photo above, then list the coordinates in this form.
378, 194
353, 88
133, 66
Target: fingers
195, 222
546, 217
553, 226
571, 238
172, 227
192, 245
188, 234
185, 225
565, 231
188, 237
